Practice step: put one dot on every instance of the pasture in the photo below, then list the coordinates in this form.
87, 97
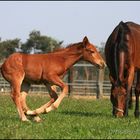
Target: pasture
75, 118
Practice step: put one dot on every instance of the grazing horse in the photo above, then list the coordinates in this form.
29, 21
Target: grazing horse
21, 70
122, 52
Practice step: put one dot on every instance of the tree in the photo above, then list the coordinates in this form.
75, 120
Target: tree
40, 42
8, 47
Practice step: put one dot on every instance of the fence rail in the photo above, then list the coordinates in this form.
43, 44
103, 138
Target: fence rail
98, 86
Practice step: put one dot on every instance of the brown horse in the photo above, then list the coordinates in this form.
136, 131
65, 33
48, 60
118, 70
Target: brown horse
122, 51
21, 70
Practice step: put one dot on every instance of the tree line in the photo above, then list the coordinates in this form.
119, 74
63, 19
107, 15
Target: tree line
36, 43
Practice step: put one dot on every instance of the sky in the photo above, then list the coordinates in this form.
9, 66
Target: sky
68, 21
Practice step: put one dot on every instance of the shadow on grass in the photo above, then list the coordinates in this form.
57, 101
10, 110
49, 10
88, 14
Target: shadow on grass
85, 114
8, 118
13, 119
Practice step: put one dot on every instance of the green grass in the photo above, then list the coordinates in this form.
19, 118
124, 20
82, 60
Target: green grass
75, 118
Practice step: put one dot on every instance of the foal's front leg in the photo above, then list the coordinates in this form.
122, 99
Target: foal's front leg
57, 81
55, 101
53, 95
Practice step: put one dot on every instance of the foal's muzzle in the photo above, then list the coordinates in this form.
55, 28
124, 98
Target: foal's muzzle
102, 65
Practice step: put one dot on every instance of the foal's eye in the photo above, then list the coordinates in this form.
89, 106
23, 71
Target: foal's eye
89, 50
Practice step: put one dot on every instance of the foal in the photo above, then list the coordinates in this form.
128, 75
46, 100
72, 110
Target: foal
22, 70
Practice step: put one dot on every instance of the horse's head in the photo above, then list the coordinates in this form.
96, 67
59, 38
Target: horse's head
91, 54
118, 98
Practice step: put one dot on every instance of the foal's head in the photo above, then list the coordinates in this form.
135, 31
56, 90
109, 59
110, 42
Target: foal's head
91, 54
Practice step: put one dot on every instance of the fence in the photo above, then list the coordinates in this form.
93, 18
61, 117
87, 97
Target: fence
82, 79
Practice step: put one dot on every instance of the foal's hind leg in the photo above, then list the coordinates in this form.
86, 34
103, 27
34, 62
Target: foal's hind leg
53, 95
23, 101
15, 84
24, 90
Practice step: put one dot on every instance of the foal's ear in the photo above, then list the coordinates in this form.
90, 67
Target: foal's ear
85, 41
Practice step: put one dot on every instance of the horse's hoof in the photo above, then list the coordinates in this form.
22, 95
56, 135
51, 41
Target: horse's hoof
136, 114
130, 107
37, 119
126, 114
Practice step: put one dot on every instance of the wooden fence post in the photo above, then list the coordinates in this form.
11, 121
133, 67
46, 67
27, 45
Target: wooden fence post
100, 80
70, 80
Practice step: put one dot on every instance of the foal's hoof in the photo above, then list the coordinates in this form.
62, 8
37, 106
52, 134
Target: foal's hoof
50, 108
29, 112
37, 119
25, 120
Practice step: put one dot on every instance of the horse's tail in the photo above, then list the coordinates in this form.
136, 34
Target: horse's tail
120, 46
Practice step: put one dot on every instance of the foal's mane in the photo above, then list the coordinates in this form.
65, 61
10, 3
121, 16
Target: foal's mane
70, 46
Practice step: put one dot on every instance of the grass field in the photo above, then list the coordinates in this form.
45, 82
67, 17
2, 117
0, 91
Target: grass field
75, 118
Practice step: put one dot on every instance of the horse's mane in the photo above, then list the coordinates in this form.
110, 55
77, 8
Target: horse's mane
118, 36
121, 39
117, 42
68, 47
120, 45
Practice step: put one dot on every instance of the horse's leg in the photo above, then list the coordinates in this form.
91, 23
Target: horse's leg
24, 90
23, 101
15, 94
131, 100
112, 101
57, 81
53, 95
137, 91
129, 86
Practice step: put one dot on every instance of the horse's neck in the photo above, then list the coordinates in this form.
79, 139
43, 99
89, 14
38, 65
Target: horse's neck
71, 60
71, 56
